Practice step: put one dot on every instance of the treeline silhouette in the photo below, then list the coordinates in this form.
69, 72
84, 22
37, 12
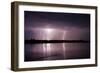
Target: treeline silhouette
33, 41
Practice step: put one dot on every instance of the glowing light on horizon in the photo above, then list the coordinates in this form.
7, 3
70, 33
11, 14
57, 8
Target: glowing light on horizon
48, 30
47, 47
49, 33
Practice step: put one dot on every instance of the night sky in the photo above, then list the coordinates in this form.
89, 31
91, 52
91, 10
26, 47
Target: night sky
55, 26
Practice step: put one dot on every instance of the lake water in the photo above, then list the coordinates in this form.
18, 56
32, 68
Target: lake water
56, 51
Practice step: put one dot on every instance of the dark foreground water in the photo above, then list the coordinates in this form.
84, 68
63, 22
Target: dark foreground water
56, 51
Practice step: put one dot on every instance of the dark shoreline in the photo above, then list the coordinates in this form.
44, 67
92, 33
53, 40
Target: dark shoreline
54, 41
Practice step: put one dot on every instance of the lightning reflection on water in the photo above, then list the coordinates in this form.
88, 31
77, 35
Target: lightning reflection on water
54, 51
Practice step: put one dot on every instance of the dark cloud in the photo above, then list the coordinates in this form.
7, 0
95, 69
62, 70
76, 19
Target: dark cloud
40, 19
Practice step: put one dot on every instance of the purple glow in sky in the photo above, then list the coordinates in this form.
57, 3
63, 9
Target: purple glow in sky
56, 26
